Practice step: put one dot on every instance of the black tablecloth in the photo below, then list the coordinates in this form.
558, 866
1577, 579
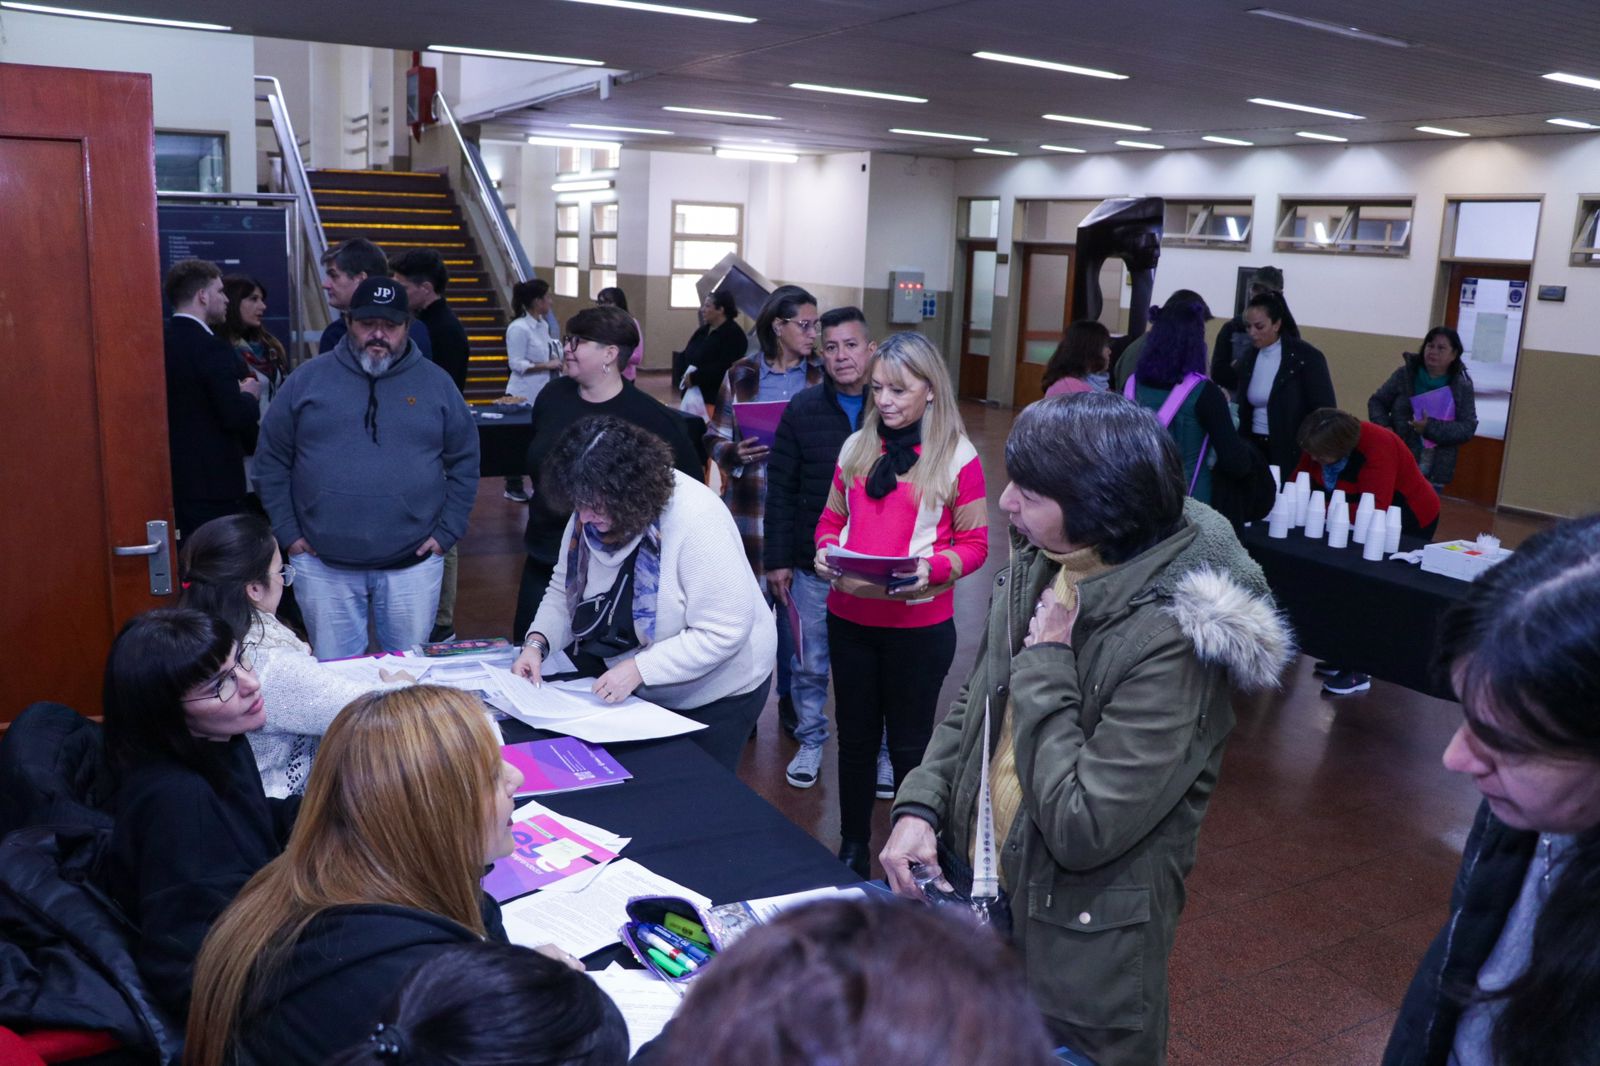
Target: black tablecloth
1379, 618
503, 442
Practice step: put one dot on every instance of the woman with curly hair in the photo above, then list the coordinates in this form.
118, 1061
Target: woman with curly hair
643, 597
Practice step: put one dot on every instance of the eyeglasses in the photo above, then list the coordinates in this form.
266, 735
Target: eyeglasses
227, 685
286, 571
808, 325
569, 342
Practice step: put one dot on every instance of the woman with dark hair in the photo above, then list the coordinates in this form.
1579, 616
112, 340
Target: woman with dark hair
1129, 357
643, 598
1096, 716
533, 354
262, 353
714, 347
597, 343
868, 981
1281, 379
1170, 380
1430, 403
1085, 350
1514, 976
1340, 451
491, 1004
232, 568
192, 823
611, 296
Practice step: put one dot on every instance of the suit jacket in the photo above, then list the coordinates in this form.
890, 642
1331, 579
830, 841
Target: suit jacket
211, 425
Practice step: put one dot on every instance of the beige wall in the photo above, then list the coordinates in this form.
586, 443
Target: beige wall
1554, 435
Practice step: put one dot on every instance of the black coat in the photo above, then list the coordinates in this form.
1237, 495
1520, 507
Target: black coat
1301, 386
805, 451
211, 425
711, 352
182, 849
341, 974
1233, 344
448, 339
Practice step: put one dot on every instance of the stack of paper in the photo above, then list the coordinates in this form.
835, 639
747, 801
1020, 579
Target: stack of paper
571, 707
564, 764
646, 1002
367, 669
586, 919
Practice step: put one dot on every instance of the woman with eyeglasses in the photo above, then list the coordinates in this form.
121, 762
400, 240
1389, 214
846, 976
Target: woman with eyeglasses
191, 821
596, 347
232, 568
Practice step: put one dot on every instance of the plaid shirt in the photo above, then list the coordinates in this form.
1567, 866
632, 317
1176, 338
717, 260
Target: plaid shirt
744, 488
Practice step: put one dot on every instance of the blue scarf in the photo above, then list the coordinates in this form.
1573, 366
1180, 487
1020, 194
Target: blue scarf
646, 575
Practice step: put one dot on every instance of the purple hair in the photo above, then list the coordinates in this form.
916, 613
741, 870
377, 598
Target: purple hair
1176, 345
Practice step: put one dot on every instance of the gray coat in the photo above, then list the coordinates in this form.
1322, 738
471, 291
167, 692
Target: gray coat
1390, 407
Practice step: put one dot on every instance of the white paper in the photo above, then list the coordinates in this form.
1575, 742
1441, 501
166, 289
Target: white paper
571, 707
365, 670
584, 922
647, 1003
771, 906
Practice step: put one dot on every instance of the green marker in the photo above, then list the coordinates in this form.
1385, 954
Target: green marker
665, 962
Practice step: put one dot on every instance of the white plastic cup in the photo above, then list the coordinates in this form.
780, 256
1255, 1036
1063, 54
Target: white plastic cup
1364, 509
1282, 513
1316, 516
1391, 530
1372, 547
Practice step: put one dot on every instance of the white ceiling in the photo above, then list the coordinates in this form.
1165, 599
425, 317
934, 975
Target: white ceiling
1192, 65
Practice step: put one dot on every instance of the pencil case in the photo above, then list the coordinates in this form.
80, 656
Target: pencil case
689, 934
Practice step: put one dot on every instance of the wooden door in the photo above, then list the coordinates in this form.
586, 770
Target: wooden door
1046, 310
977, 320
1479, 462
83, 426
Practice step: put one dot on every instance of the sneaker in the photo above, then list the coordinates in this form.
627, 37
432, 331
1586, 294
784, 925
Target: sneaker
885, 776
1345, 682
516, 496
440, 634
1324, 668
805, 765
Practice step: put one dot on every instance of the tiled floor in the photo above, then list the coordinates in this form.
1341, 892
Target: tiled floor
1325, 860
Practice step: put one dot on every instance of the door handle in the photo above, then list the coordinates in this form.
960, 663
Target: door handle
138, 549
155, 549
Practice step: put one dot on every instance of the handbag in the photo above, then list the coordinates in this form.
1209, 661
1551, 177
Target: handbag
1169, 410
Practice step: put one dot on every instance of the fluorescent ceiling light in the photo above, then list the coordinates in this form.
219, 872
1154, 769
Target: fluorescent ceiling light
531, 57
1568, 79
1062, 148
1228, 140
106, 16
1141, 144
582, 185
1308, 109
1099, 122
1355, 32
721, 114
1572, 123
941, 136
868, 93
993, 151
618, 129
1441, 131
1322, 137
668, 9
1045, 64
572, 142
757, 155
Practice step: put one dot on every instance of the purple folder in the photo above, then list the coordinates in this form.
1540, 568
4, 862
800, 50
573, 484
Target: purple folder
1436, 403
758, 419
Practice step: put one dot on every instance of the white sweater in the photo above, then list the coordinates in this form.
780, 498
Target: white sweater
715, 635
302, 699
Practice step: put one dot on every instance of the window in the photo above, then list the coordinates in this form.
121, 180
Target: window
569, 161
1367, 227
1208, 224
566, 283
602, 248
701, 235
190, 162
574, 160
605, 158
982, 220
1586, 244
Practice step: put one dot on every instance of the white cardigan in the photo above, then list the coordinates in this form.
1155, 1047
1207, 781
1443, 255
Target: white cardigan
715, 635
302, 699
528, 343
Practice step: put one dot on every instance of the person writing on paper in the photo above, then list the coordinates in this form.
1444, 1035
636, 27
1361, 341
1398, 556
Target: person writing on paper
232, 568
908, 484
407, 803
1340, 451
1430, 403
643, 598
1117, 635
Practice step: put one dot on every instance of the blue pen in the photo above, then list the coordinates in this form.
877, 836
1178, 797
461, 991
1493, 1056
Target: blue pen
677, 955
689, 947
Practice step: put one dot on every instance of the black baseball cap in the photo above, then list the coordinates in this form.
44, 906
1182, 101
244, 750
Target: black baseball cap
380, 298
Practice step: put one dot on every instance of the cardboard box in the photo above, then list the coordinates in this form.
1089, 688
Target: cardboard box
1460, 559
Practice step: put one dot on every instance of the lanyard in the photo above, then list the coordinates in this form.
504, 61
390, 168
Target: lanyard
985, 875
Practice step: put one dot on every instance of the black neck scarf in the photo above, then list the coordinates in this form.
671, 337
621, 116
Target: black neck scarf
899, 455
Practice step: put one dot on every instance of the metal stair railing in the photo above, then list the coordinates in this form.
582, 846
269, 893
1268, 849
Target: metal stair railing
513, 259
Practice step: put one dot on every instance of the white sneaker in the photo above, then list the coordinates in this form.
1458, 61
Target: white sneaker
885, 775
805, 765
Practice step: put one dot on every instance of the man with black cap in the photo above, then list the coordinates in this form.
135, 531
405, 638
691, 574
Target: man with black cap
368, 468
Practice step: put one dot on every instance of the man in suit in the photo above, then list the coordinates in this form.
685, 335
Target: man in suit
213, 410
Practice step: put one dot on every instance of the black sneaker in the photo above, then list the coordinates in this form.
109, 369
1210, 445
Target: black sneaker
1324, 668
1345, 682
441, 634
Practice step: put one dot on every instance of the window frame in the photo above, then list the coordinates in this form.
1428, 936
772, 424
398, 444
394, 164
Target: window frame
1340, 239
1588, 221
563, 264
602, 273
1195, 237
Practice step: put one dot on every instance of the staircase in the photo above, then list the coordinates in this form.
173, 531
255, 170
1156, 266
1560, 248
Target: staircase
398, 210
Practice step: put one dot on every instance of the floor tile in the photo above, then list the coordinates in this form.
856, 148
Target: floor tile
1230, 1026
1313, 997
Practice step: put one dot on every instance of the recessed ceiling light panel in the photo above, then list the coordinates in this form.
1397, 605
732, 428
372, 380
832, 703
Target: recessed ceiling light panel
1045, 64
1104, 124
529, 57
993, 151
756, 155
1307, 108
937, 134
1063, 148
870, 94
582, 185
1233, 141
571, 142
1322, 137
1142, 144
618, 129
1440, 131
1572, 123
106, 16
1574, 79
721, 114
668, 9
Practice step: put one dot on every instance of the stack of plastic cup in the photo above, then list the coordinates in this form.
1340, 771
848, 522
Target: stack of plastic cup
1302, 497
1316, 515
1282, 514
1372, 547
1391, 538
1277, 477
1338, 526
1338, 500
1364, 509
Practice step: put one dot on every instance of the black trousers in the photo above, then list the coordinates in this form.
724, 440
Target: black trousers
535, 579
883, 678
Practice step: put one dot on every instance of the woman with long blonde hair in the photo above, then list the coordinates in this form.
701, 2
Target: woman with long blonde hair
407, 801
908, 485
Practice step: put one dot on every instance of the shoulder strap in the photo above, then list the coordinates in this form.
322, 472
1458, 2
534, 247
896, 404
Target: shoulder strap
1180, 392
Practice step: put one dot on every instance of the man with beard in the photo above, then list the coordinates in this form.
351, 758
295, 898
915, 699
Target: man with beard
368, 468
211, 399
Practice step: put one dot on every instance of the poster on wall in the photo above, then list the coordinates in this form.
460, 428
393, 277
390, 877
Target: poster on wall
1490, 325
240, 240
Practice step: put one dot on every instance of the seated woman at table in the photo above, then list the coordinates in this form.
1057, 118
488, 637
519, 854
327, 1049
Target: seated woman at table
1281, 379
233, 569
407, 802
1340, 451
1116, 639
1429, 401
192, 823
1084, 351
489, 1004
649, 596
1514, 975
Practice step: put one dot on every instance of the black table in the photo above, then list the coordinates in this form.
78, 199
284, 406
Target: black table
503, 442
1378, 618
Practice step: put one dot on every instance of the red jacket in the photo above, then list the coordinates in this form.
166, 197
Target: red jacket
1382, 465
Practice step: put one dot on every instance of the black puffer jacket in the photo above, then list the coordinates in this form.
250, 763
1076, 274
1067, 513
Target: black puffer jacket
800, 473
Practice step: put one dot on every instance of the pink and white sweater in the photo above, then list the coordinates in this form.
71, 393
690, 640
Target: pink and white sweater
953, 537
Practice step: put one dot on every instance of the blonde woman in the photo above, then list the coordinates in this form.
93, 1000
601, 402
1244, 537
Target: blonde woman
407, 801
908, 484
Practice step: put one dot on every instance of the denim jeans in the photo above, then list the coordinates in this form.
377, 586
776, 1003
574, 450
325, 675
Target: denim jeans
337, 604
809, 675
